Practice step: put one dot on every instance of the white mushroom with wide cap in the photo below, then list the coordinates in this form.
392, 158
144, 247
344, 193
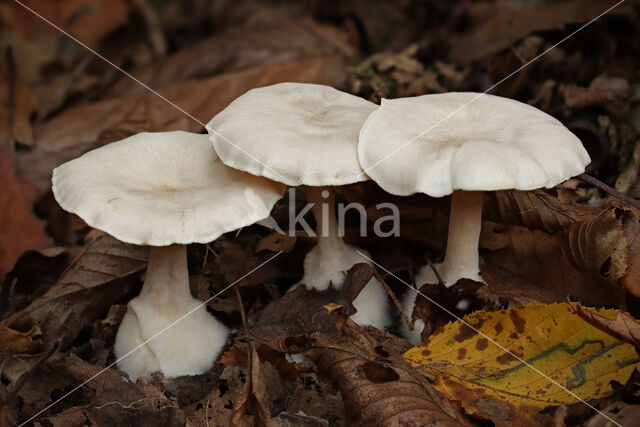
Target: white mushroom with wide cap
164, 190
463, 144
305, 134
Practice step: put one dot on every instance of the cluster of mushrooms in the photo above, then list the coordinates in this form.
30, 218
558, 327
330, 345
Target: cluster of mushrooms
168, 189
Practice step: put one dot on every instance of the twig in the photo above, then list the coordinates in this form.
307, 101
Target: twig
395, 300
435, 271
609, 190
152, 20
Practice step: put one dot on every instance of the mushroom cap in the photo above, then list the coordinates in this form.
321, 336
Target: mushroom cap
293, 133
466, 141
162, 188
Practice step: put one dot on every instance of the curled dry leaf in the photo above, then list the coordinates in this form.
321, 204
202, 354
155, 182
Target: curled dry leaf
628, 181
236, 49
18, 342
607, 246
378, 387
98, 278
108, 399
536, 210
624, 327
20, 230
614, 93
497, 28
530, 266
493, 384
302, 312
85, 127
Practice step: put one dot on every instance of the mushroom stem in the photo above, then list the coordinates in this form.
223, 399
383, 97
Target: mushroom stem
326, 221
465, 221
167, 280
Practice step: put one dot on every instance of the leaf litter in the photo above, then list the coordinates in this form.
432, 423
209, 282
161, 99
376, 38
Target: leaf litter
301, 360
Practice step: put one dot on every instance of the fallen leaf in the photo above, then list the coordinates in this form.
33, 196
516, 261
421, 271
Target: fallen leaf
234, 263
520, 258
20, 230
496, 28
221, 402
85, 127
16, 341
377, 386
17, 103
96, 279
622, 413
235, 50
607, 246
536, 210
37, 44
301, 312
109, 398
628, 182
276, 242
624, 327
31, 276
493, 384
613, 93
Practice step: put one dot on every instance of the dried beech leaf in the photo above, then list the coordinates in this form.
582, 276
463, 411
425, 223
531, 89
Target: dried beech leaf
378, 389
614, 93
624, 327
498, 28
222, 402
607, 246
108, 399
95, 281
237, 49
493, 384
275, 242
302, 312
534, 262
536, 210
85, 127
18, 342
20, 230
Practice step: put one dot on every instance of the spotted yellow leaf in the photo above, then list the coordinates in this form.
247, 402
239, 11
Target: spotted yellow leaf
556, 358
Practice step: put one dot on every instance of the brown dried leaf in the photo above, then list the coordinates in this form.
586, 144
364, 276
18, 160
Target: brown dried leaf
628, 181
108, 399
535, 262
622, 413
276, 242
607, 246
536, 210
18, 342
20, 230
302, 312
237, 49
378, 387
85, 127
221, 402
614, 93
499, 25
624, 327
97, 278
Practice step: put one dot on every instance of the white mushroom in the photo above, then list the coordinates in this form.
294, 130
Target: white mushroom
164, 190
462, 144
305, 134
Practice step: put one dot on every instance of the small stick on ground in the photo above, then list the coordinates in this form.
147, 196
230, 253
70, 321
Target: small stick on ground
395, 300
609, 190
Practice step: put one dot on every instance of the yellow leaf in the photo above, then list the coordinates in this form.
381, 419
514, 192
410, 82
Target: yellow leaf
493, 384
332, 306
19, 342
